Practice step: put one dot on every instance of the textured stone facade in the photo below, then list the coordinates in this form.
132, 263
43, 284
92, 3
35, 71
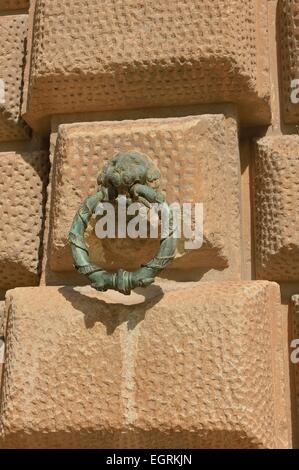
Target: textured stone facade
201, 52
202, 357
202, 143
194, 367
6, 5
295, 329
277, 208
289, 56
13, 31
23, 178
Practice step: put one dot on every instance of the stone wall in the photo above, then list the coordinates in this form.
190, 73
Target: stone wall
201, 358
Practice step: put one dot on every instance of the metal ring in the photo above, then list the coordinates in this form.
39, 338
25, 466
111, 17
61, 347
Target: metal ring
136, 174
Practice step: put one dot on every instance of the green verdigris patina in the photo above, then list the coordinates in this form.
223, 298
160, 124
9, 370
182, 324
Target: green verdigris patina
135, 176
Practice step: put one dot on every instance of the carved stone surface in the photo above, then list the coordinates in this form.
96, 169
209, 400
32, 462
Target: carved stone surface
203, 366
12, 48
14, 4
190, 153
2, 305
295, 331
189, 83
288, 11
276, 208
2, 345
144, 54
22, 185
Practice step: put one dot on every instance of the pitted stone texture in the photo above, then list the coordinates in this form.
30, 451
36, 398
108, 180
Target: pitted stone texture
2, 305
2, 345
148, 54
295, 305
276, 208
288, 14
12, 48
14, 4
193, 368
22, 185
191, 154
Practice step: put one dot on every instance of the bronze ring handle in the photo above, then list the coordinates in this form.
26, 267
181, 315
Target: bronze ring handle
135, 174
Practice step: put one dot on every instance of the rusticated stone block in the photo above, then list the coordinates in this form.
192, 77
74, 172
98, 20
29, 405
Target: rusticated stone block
144, 54
2, 345
276, 208
2, 305
191, 153
288, 14
295, 336
22, 186
12, 49
14, 4
188, 367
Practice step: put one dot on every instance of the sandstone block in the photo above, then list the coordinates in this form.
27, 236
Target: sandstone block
190, 367
288, 13
143, 55
295, 335
191, 153
276, 208
23, 178
2, 345
12, 49
1, 355
2, 307
14, 4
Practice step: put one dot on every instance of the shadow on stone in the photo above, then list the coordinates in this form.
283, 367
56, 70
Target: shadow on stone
111, 308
